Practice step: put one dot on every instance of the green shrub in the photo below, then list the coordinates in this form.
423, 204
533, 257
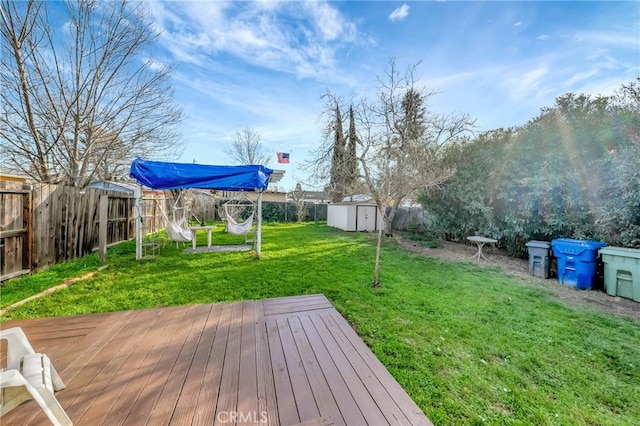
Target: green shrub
571, 172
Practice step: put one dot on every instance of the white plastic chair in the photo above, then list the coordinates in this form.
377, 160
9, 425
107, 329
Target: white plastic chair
29, 375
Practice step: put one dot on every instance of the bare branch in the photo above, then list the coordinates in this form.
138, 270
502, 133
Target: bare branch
247, 148
77, 101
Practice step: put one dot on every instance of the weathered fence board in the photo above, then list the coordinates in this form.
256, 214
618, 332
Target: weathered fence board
15, 208
48, 224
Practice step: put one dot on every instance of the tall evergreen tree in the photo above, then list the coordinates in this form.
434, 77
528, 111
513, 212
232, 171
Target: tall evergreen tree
336, 183
351, 160
412, 125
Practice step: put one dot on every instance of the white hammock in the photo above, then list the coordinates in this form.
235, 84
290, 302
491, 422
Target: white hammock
234, 208
176, 229
178, 233
236, 228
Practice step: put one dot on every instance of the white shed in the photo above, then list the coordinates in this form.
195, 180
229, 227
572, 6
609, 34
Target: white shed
354, 216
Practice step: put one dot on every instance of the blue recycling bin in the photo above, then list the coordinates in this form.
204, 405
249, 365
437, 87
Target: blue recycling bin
576, 261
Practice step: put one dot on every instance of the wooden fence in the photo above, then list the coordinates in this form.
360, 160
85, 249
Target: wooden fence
15, 238
48, 224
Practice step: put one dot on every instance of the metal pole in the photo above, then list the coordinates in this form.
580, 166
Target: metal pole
259, 226
137, 193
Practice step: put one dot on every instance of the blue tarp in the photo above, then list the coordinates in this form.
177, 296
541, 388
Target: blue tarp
163, 175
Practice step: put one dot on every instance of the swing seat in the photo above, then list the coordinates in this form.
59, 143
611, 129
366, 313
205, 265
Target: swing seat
233, 226
236, 228
177, 233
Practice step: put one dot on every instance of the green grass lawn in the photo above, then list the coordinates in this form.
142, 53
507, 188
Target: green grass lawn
469, 344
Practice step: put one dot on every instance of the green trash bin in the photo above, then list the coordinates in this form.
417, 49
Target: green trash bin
621, 272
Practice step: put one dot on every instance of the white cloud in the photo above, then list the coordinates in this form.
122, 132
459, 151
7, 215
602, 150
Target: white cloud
604, 87
447, 80
329, 22
581, 76
400, 13
265, 63
155, 64
299, 38
523, 84
612, 38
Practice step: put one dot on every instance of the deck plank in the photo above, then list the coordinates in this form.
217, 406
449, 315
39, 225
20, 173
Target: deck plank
186, 405
324, 398
367, 405
163, 410
305, 401
287, 409
367, 376
116, 396
247, 405
135, 388
161, 361
106, 369
282, 361
208, 398
267, 402
347, 405
79, 364
407, 408
228, 394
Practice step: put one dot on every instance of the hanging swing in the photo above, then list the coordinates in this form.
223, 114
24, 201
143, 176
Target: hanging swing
233, 211
177, 227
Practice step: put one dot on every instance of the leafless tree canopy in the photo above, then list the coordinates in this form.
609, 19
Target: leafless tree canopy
247, 148
321, 164
80, 96
334, 163
298, 197
401, 143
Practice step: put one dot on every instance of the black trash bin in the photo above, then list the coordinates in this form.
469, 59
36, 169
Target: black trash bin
539, 258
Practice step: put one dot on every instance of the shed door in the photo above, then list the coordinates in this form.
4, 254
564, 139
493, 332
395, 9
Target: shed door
365, 218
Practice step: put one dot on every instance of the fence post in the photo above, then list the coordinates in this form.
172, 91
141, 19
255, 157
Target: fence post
28, 221
102, 227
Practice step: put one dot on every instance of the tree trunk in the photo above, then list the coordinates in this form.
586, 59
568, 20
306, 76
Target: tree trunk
376, 269
392, 214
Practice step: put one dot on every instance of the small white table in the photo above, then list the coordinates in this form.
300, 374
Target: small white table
481, 241
197, 228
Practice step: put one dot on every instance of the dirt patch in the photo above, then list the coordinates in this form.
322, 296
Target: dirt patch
519, 268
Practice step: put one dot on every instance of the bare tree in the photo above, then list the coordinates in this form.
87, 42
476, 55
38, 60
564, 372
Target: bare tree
78, 99
326, 165
401, 144
247, 148
298, 197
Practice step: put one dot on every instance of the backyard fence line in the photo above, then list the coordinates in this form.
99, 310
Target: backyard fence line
410, 219
275, 211
45, 224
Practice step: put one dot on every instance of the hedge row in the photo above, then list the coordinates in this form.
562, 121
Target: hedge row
574, 172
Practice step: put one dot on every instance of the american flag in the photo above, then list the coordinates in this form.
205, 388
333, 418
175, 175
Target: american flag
283, 157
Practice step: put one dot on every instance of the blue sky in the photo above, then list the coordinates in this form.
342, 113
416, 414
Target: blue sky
265, 64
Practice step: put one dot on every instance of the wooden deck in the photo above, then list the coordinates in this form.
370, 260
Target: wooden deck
284, 361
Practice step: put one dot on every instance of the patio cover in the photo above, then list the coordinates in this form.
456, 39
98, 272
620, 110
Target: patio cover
164, 175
